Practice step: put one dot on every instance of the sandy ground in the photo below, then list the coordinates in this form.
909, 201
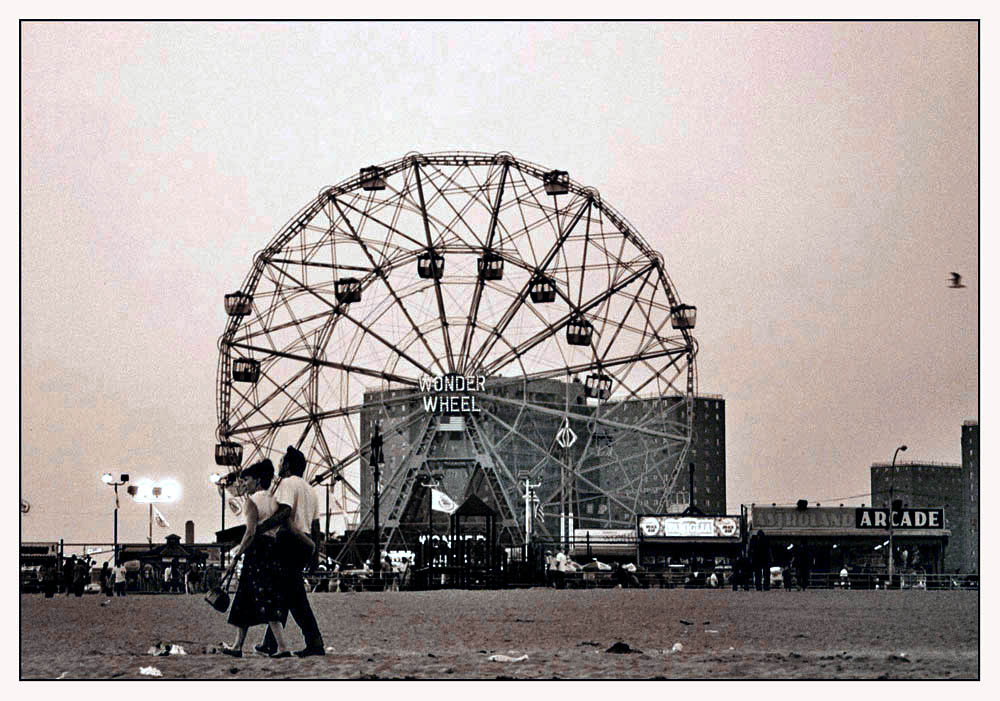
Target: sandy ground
565, 634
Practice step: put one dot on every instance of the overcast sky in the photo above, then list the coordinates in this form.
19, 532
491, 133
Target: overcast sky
810, 186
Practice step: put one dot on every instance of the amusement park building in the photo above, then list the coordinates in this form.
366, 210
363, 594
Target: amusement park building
705, 471
953, 486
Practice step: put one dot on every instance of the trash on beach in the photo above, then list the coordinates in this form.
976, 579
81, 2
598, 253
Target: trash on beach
687, 623
329, 648
62, 676
621, 648
161, 649
507, 658
677, 647
150, 672
900, 657
711, 631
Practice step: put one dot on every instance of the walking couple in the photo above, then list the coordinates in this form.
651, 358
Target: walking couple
280, 540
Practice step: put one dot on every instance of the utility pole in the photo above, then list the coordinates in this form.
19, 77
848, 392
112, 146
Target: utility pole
374, 460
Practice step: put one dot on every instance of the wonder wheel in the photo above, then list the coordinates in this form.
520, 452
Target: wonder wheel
509, 332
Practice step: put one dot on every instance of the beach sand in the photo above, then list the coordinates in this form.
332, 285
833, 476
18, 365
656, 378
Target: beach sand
821, 634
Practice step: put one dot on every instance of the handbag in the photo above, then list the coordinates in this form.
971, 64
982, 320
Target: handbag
218, 597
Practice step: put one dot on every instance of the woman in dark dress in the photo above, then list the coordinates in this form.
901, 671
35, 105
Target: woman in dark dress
259, 595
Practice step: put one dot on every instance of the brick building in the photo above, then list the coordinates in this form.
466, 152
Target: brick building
952, 486
448, 454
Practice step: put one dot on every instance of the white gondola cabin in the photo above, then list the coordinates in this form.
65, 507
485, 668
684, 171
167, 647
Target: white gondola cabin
238, 304
491, 267
430, 265
598, 386
347, 290
229, 454
683, 316
246, 370
372, 178
542, 290
579, 332
556, 182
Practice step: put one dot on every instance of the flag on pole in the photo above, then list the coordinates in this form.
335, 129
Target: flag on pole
442, 502
160, 520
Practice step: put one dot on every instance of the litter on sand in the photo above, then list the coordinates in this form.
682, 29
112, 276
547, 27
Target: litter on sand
329, 648
150, 672
711, 631
161, 649
507, 658
677, 647
621, 648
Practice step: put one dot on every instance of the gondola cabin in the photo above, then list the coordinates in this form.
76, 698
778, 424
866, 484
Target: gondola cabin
597, 387
347, 290
230, 454
683, 316
430, 265
542, 290
246, 370
372, 178
238, 304
491, 267
579, 332
556, 182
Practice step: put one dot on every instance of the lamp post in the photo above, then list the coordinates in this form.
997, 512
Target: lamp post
109, 480
214, 478
146, 491
374, 460
892, 487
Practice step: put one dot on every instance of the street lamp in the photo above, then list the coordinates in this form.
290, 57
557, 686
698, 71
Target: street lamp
892, 486
145, 491
215, 478
110, 481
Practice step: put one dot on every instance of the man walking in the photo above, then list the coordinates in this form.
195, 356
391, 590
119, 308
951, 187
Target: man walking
296, 514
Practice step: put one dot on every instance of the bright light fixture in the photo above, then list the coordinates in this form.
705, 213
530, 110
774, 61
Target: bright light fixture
107, 478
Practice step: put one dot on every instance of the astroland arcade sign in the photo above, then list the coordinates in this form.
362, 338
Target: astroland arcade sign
901, 518
826, 518
452, 394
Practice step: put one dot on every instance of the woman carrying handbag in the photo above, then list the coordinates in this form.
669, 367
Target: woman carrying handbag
260, 596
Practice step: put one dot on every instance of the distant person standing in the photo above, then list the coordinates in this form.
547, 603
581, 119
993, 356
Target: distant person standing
80, 572
120, 579
560, 576
760, 561
106, 579
297, 539
803, 561
67, 574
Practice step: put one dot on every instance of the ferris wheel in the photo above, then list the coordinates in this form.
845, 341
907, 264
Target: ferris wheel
476, 274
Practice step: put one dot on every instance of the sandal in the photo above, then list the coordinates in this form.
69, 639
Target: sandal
231, 651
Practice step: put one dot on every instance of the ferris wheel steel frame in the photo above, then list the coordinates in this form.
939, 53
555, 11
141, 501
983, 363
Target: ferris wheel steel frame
433, 217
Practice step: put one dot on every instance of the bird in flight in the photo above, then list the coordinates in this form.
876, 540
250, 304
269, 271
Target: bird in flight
956, 281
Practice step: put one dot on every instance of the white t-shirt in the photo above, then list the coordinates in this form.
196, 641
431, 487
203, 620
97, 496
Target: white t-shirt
266, 506
119, 573
560, 562
296, 493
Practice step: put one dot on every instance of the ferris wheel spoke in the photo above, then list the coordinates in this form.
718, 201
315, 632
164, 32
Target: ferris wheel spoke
470, 324
511, 312
437, 282
557, 326
392, 292
339, 310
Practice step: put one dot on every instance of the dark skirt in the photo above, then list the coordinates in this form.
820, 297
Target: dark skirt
260, 594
